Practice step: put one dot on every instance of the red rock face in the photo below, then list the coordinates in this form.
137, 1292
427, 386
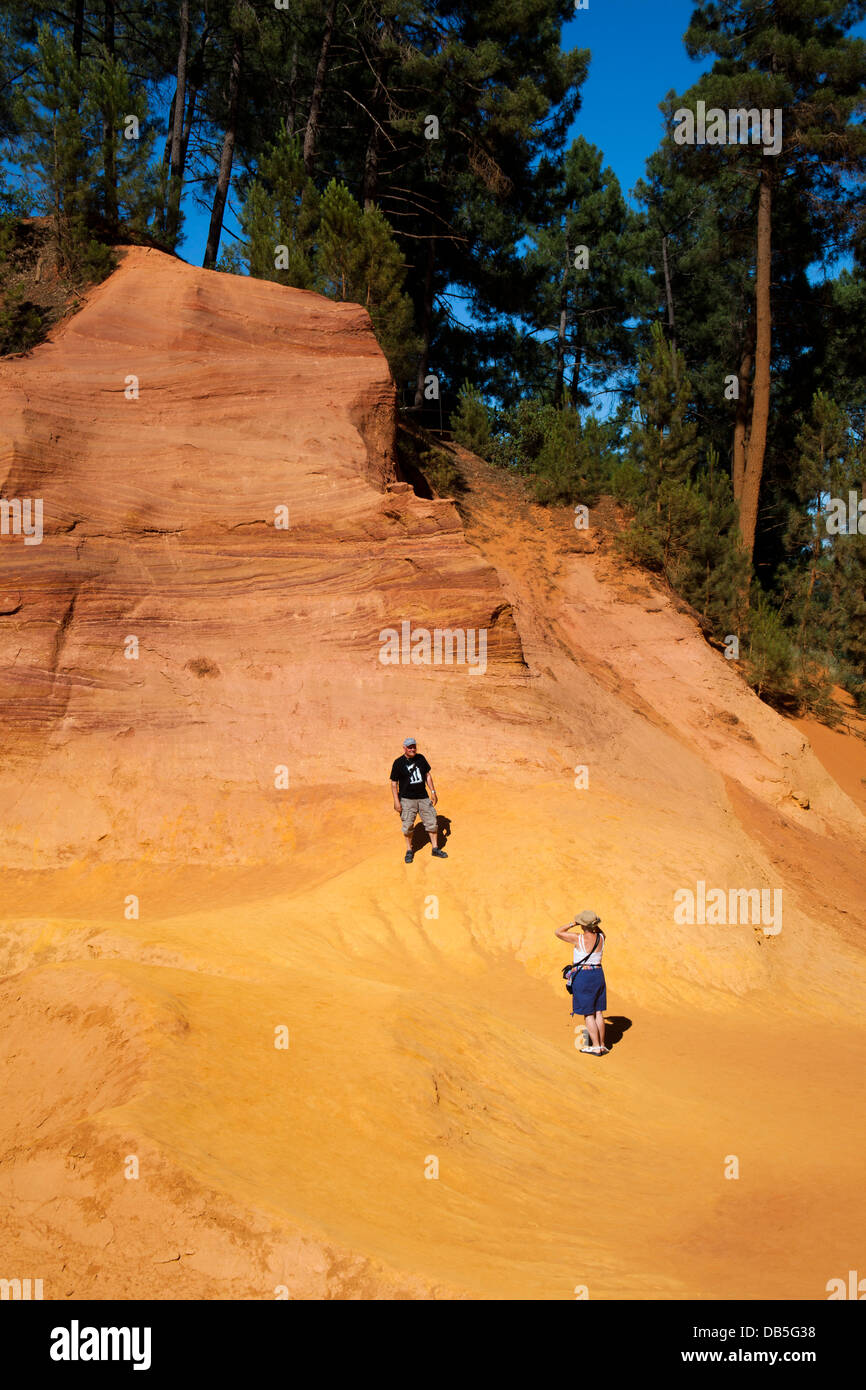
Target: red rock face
215, 459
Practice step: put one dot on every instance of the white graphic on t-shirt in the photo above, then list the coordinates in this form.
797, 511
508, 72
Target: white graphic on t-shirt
416, 776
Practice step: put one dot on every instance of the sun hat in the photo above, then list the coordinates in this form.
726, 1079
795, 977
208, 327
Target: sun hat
587, 918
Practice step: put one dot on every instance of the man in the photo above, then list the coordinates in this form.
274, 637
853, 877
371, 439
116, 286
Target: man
415, 795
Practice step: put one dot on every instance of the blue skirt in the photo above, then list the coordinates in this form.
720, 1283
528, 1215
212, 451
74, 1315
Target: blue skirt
588, 992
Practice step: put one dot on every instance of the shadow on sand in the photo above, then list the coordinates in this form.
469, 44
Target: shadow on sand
420, 838
614, 1027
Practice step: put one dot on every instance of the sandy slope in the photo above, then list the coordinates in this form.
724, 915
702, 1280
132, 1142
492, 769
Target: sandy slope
411, 1035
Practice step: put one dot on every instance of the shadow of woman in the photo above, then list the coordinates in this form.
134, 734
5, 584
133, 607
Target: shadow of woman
614, 1028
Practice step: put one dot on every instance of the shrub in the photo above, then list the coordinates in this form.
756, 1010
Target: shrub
442, 472
770, 657
470, 423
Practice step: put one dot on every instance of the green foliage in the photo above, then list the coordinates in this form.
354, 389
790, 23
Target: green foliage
328, 244
280, 217
684, 522
822, 585
470, 423
568, 460
770, 659
358, 259
88, 179
422, 462
586, 279
441, 472
231, 260
664, 440
127, 190
22, 323
62, 148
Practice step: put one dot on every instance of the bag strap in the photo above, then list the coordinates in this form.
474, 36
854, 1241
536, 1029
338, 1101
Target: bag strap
579, 965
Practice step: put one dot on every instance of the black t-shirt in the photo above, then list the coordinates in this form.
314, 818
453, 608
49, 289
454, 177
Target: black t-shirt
411, 776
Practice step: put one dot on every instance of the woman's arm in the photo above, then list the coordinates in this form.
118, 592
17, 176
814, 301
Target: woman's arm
566, 934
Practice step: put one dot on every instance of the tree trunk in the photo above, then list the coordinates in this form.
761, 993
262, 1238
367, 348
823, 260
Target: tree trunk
290, 118
187, 129
559, 381
166, 154
371, 169
109, 134
226, 158
371, 157
78, 30
813, 570
176, 165
754, 464
740, 423
194, 81
426, 324
669, 300
312, 131
578, 363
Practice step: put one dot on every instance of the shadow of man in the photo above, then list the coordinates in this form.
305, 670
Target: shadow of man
420, 838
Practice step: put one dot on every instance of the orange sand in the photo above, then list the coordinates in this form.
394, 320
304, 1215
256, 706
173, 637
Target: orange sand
412, 1036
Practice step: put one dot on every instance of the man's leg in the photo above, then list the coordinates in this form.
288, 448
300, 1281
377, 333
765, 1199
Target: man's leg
431, 824
407, 825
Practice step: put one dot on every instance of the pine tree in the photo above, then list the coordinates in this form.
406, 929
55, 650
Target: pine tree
64, 149
793, 58
664, 440
685, 521
358, 259
587, 278
280, 217
329, 244
822, 586
127, 182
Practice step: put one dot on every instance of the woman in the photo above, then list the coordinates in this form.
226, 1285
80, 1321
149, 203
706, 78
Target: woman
588, 988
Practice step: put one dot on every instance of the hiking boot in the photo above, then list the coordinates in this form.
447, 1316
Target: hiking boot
439, 854
410, 855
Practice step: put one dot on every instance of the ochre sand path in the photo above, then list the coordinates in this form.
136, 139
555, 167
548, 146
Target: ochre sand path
411, 1036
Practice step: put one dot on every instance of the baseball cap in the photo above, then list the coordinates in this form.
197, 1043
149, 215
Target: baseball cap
408, 741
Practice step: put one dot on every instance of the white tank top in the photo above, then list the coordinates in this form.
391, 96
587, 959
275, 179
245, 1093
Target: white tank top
580, 951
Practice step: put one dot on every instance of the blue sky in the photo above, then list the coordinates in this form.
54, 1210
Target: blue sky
637, 57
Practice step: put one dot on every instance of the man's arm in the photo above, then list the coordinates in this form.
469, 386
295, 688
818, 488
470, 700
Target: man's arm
395, 792
430, 787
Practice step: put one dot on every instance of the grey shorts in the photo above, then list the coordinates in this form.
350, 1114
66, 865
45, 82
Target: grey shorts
419, 806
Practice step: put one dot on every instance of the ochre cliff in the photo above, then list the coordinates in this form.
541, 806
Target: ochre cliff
170, 908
